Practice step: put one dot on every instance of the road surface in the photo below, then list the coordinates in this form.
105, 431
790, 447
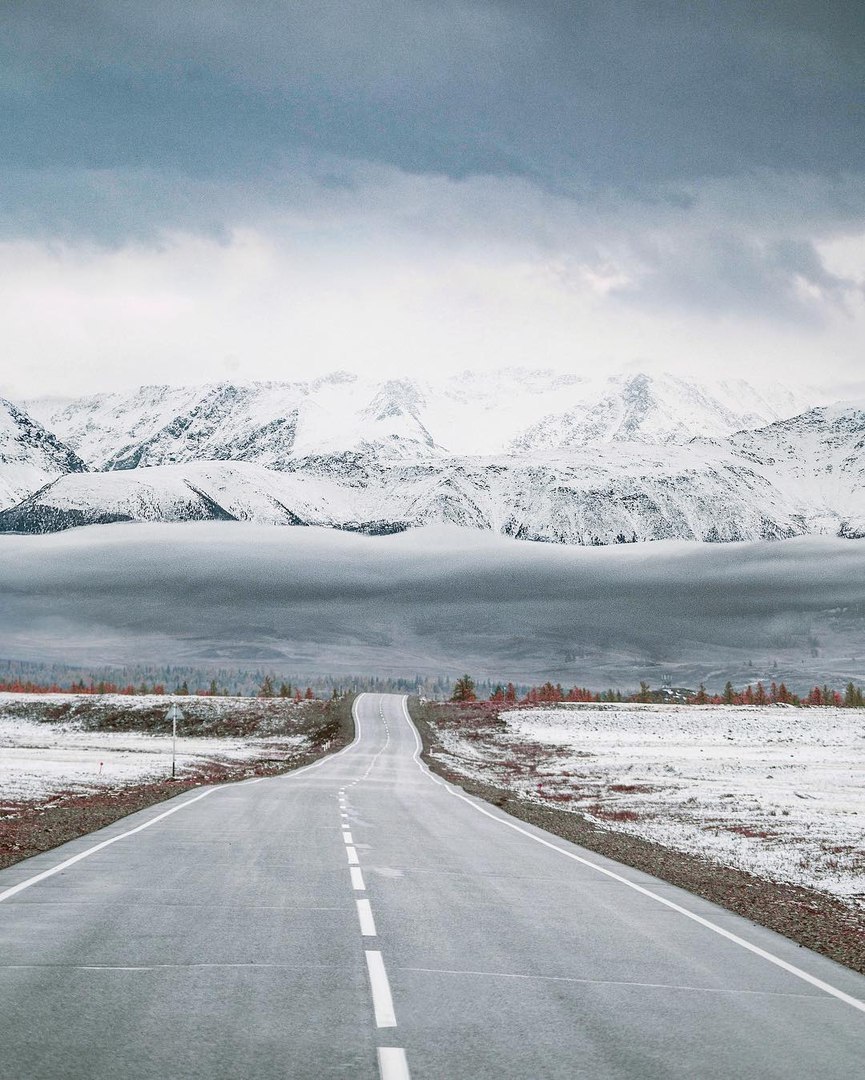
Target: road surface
360, 918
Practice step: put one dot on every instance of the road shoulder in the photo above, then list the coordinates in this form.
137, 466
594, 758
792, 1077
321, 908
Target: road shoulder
810, 918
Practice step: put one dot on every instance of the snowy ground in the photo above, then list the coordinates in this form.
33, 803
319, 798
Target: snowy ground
774, 790
40, 757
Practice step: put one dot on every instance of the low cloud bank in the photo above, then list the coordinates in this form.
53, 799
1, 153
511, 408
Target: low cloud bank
431, 600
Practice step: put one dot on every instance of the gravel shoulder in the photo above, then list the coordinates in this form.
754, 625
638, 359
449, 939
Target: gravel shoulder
281, 738
824, 923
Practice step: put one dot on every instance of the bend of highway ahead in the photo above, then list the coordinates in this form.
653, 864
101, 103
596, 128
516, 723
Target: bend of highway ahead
362, 918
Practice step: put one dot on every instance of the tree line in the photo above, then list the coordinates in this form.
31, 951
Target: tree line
267, 689
774, 694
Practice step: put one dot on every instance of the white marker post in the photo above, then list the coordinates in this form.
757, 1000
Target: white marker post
174, 714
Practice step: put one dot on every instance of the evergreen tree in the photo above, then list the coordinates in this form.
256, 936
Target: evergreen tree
853, 696
266, 688
464, 689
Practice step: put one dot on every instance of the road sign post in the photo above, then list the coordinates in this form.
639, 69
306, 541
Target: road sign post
174, 714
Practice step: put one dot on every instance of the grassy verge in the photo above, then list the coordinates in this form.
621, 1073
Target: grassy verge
810, 918
29, 828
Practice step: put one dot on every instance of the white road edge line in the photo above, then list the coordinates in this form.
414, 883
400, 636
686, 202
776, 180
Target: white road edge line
827, 988
352, 856
22, 885
14, 889
357, 881
330, 757
382, 1002
392, 1064
367, 922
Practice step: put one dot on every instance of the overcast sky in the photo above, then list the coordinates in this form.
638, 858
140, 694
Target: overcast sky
197, 191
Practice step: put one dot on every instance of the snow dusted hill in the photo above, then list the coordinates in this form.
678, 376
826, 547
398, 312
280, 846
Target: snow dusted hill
276, 424
30, 456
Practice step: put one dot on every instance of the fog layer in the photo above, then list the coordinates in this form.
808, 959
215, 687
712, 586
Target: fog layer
435, 600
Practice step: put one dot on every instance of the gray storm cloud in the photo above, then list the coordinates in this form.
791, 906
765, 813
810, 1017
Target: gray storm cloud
626, 92
517, 180
431, 600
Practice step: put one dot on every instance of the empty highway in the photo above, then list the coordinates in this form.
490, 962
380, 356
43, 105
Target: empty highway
361, 918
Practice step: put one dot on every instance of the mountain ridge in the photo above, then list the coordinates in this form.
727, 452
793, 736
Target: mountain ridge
275, 423
623, 458
30, 455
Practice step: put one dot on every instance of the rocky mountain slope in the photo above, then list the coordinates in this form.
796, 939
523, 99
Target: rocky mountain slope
516, 411
30, 456
619, 459
790, 478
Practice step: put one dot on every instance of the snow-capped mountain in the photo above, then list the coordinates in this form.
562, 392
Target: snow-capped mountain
817, 460
30, 456
565, 459
277, 424
658, 410
750, 486
270, 424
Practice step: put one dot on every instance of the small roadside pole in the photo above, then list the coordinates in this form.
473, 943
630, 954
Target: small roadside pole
174, 714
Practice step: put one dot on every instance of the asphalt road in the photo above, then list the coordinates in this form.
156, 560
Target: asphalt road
362, 918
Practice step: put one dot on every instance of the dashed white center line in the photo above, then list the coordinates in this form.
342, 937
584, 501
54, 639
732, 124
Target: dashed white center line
347, 837
352, 857
382, 1002
392, 1064
367, 922
357, 881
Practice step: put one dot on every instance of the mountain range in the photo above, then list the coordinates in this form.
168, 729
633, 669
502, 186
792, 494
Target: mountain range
532, 454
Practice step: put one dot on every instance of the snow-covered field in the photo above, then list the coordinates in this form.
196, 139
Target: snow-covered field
776, 791
40, 758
